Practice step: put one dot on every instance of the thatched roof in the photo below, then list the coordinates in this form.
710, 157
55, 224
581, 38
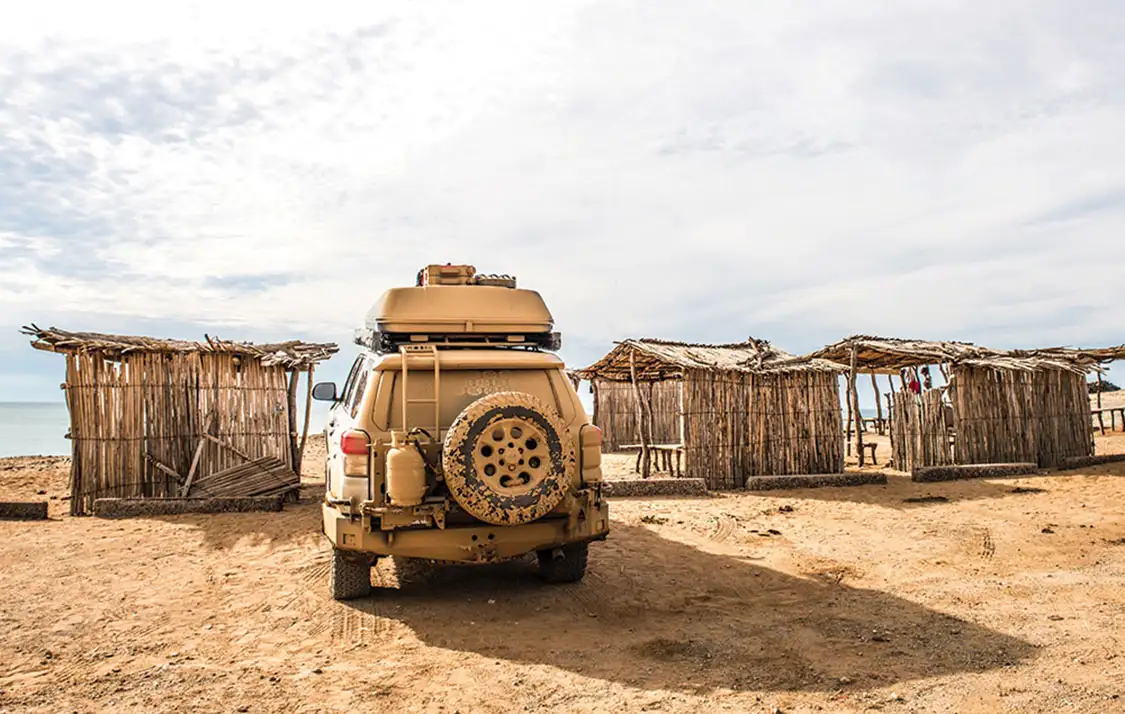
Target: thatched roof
658, 360
293, 354
888, 355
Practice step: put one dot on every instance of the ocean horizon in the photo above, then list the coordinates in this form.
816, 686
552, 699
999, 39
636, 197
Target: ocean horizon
39, 428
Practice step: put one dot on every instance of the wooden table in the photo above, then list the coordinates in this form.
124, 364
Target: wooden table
668, 454
1113, 412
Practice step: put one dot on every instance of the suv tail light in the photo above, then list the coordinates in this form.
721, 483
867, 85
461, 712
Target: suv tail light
355, 442
590, 438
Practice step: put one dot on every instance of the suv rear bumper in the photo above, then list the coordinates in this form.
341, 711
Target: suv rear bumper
466, 544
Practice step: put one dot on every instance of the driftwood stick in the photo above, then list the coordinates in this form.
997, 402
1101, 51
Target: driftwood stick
305, 429
291, 402
878, 402
643, 458
855, 407
164, 469
194, 465
1101, 421
195, 460
225, 445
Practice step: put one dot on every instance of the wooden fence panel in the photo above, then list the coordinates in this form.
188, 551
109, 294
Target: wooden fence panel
616, 412
136, 423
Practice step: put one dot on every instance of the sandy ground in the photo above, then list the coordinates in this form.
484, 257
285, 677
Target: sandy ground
976, 596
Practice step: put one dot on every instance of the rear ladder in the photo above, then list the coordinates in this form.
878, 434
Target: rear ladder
416, 353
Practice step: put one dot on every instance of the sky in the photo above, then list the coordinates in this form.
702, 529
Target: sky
696, 171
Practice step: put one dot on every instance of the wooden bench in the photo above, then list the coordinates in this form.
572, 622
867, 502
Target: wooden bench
668, 456
1113, 412
871, 448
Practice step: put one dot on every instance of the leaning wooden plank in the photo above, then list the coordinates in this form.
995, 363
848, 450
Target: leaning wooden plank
1079, 462
655, 487
23, 510
164, 469
194, 465
770, 483
134, 507
953, 473
225, 445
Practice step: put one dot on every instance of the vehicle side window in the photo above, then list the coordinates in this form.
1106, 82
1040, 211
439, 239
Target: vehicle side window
357, 396
349, 383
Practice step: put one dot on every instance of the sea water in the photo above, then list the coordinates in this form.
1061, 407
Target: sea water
39, 428
33, 429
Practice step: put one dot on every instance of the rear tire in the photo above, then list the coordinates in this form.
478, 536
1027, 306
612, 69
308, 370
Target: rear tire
569, 569
349, 576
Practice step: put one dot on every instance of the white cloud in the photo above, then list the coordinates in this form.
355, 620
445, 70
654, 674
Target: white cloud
694, 170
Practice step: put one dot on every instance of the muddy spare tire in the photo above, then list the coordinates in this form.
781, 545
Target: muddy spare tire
506, 459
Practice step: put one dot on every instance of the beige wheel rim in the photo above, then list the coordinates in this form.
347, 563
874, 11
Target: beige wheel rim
512, 457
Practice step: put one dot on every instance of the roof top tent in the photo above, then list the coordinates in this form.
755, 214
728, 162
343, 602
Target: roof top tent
453, 306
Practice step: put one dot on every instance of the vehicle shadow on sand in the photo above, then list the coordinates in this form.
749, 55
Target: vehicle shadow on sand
659, 614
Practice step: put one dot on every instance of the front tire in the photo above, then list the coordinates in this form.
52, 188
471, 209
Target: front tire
349, 576
568, 569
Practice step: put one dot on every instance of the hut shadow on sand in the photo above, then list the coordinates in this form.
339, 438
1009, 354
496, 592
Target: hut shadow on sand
662, 615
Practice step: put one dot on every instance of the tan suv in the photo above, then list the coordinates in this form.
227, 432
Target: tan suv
458, 437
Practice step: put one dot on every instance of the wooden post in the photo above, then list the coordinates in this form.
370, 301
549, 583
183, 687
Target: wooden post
305, 429
848, 418
644, 455
292, 405
855, 409
1101, 421
878, 403
594, 392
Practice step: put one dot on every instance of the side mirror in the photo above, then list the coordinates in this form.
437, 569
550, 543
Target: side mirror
324, 391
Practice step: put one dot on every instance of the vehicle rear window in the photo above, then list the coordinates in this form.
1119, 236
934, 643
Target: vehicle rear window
460, 388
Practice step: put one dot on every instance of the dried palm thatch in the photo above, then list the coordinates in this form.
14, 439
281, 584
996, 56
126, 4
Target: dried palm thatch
735, 410
657, 360
150, 416
888, 355
293, 354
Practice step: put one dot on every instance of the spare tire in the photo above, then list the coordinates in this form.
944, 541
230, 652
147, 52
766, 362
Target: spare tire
506, 459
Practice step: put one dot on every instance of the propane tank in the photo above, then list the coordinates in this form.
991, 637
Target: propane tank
406, 472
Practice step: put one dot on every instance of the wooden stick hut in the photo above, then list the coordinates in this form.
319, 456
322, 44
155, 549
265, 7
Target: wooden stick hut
733, 411
997, 406
147, 415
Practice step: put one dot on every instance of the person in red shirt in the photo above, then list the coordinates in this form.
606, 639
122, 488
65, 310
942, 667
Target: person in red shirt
911, 381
